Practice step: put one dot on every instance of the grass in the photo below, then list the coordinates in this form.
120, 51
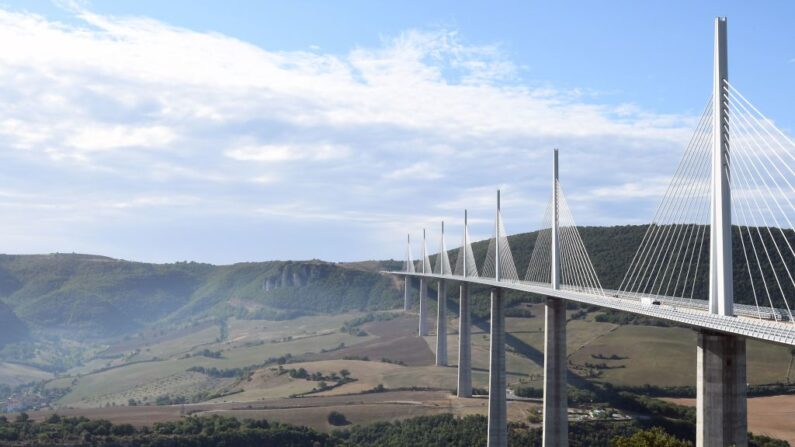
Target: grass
661, 356
180, 345
524, 356
666, 356
150, 379
654, 355
13, 374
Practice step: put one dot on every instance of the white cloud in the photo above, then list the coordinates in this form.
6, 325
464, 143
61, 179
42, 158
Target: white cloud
417, 171
98, 138
649, 188
281, 152
158, 201
423, 125
264, 179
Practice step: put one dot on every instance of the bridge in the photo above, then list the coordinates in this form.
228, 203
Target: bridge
733, 185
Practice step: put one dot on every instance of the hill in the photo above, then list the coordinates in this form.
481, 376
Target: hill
611, 250
101, 296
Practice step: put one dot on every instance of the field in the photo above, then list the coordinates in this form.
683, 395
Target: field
380, 352
146, 377
13, 374
772, 416
310, 411
667, 357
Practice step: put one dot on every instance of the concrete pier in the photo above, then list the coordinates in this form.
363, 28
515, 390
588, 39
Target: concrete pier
423, 317
407, 294
498, 417
556, 422
441, 325
464, 344
721, 388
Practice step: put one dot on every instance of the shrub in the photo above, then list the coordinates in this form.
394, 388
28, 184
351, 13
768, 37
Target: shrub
336, 418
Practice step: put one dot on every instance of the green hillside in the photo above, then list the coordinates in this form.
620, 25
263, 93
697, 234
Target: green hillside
611, 250
102, 296
11, 327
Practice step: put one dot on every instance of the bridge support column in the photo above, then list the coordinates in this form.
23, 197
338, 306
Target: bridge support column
464, 344
423, 323
441, 325
722, 409
498, 409
556, 419
407, 294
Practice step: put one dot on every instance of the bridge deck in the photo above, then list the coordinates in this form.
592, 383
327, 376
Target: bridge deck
669, 309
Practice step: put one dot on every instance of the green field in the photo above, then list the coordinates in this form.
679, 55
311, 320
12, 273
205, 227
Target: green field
144, 379
659, 356
13, 374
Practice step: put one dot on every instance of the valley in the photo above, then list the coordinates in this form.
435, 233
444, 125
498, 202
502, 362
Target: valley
294, 342
369, 366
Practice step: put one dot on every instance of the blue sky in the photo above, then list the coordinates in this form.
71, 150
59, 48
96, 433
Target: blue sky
232, 131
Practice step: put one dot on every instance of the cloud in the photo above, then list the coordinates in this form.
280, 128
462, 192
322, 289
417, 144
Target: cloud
158, 201
417, 171
649, 188
277, 153
98, 138
420, 126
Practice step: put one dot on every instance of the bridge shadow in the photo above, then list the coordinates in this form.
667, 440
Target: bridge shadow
536, 356
516, 343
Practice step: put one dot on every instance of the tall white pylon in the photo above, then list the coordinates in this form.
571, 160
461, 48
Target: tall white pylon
465, 263
407, 279
443, 259
499, 263
721, 292
465, 247
409, 261
555, 248
497, 240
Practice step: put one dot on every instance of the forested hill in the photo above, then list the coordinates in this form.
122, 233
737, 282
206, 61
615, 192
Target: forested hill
100, 296
611, 250
105, 296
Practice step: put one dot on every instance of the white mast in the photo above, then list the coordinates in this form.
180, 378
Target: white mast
721, 292
555, 248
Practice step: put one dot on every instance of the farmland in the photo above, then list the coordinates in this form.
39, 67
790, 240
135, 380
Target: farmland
292, 371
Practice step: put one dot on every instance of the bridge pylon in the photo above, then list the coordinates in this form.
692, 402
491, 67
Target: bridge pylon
721, 387
407, 280
555, 413
465, 266
498, 405
442, 268
423, 312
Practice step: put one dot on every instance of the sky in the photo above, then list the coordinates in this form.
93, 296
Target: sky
247, 131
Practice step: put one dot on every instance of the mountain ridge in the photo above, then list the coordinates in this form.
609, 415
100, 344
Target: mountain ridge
102, 296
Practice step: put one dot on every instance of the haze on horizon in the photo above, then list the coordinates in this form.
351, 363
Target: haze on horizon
269, 131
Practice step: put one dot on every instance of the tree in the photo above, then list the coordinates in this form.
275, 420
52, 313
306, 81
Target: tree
122, 430
345, 373
336, 418
654, 437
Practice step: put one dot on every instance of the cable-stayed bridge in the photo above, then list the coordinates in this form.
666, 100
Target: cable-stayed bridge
725, 221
